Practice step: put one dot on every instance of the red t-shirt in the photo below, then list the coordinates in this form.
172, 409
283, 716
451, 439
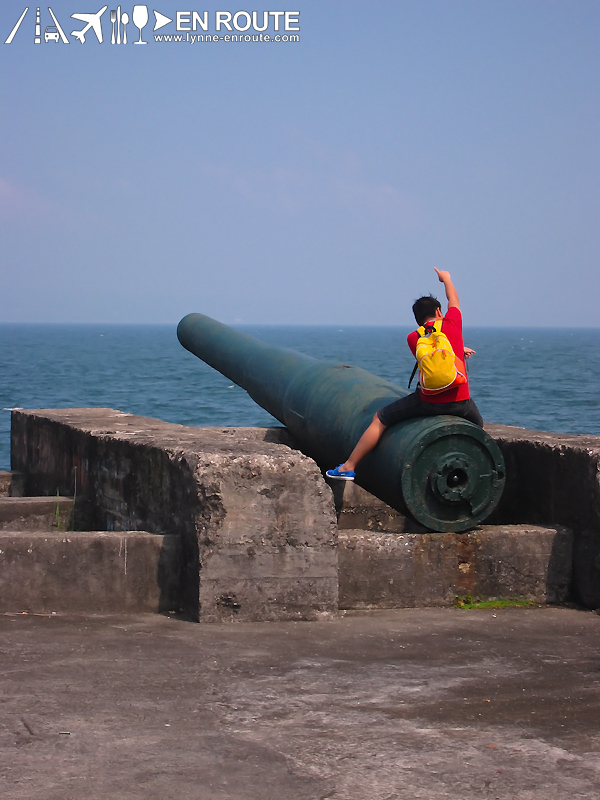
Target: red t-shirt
452, 327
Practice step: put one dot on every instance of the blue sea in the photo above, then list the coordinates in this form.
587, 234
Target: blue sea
538, 378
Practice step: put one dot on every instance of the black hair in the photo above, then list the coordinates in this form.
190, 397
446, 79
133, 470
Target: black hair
425, 307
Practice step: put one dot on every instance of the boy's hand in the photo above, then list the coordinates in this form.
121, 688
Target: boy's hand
451, 294
469, 352
443, 275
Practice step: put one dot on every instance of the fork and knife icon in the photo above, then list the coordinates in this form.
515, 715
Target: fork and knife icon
116, 16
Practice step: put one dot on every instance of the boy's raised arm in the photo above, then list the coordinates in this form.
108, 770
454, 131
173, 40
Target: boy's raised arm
451, 293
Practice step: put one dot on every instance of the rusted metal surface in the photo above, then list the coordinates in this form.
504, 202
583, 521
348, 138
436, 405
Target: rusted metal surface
445, 472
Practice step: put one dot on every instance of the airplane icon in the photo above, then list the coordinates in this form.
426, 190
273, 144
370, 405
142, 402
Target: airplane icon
93, 21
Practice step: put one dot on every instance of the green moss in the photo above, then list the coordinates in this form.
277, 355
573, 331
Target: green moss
510, 602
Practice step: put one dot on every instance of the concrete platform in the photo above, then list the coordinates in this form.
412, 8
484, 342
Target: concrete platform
255, 518
93, 572
357, 509
258, 525
12, 484
433, 704
552, 479
396, 570
36, 513
136, 571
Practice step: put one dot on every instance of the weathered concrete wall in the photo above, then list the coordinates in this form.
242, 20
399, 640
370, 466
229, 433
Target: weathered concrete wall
12, 484
391, 570
358, 509
92, 572
554, 479
36, 513
257, 524
256, 521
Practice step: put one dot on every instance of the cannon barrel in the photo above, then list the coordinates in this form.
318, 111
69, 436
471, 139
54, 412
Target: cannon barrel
444, 471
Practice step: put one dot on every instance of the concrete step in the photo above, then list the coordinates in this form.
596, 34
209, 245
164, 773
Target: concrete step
36, 513
403, 570
137, 571
357, 509
12, 484
387, 560
92, 572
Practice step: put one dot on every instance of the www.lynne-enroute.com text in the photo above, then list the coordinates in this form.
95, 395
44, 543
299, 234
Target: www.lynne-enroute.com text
190, 26
255, 37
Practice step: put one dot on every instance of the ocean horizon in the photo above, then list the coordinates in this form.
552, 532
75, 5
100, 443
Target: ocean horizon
537, 378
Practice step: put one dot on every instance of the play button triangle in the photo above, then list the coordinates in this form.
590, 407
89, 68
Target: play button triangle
161, 20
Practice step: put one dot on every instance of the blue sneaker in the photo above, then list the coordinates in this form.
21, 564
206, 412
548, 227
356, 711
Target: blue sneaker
347, 475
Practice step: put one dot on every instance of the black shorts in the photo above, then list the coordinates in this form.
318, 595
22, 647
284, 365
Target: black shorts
414, 406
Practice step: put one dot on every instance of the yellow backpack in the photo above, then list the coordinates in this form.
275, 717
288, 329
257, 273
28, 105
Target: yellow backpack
439, 367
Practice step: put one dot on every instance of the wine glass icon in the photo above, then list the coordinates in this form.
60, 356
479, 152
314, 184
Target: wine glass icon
140, 19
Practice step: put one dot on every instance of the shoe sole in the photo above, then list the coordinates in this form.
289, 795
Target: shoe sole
340, 477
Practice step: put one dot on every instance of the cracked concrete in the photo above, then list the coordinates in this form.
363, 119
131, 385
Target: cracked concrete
384, 705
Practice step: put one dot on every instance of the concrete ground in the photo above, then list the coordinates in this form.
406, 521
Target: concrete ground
381, 705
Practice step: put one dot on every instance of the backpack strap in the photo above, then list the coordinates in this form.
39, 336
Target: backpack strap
412, 375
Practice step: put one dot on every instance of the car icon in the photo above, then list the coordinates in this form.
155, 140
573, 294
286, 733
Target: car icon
51, 34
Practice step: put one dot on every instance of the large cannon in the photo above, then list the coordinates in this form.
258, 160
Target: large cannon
446, 472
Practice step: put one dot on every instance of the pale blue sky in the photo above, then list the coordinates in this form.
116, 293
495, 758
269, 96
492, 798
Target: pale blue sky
310, 182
